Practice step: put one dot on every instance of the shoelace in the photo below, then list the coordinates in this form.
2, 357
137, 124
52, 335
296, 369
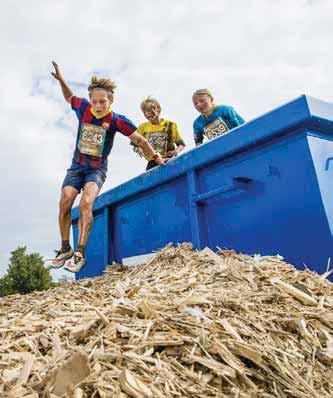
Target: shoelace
77, 259
57, 252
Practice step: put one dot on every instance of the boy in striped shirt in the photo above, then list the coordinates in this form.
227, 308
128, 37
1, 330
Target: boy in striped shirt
97, 127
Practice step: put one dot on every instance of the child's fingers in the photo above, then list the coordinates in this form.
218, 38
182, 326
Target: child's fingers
55, 65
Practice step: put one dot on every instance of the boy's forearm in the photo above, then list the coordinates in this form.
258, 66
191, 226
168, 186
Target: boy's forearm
66, 91
145, 146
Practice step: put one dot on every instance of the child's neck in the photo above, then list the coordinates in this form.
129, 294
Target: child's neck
156, 121
100, 116
209, 112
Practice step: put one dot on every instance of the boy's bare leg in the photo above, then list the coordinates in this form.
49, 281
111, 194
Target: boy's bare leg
90, 192
68, 195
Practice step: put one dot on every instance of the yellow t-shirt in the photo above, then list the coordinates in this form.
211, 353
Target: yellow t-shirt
163, 137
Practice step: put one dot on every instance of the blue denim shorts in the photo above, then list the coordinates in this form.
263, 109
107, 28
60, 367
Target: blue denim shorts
77, 176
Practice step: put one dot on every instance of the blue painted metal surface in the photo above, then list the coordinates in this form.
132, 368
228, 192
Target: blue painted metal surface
265, 187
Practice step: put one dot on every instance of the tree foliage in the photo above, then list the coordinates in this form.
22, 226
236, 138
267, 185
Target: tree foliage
26, 273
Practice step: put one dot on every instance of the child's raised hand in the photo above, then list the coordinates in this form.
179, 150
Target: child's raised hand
57, 75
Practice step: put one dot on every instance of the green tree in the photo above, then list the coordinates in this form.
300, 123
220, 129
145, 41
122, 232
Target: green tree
26, 273
5, 286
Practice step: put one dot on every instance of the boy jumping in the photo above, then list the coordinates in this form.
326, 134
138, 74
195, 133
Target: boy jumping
97, 128
215, 120
162, 134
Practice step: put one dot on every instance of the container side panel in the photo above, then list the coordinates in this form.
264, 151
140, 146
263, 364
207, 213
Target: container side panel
152, 220
322, 153
276, 210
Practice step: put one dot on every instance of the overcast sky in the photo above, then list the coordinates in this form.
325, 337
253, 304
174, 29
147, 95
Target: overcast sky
253, 55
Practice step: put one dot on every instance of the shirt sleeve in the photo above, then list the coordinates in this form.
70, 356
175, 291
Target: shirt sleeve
139, 130
234, 118
198, 133
79, 105
125, 126
176, 138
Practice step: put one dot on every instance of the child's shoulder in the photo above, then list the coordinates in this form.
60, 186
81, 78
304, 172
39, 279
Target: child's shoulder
117, 115
223, 108
198, 121
168, 122
144, 125
77, 102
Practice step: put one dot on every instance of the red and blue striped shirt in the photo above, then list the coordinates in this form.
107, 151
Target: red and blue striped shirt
114, 121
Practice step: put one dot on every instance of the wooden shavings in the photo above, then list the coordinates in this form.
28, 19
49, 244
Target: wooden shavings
297, 293
26, 370
185, 324
134, 386
71, 373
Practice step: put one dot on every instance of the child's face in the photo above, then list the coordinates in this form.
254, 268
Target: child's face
203, 103
152, 113
100, 101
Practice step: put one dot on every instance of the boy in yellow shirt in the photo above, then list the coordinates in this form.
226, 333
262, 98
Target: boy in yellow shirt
162, 134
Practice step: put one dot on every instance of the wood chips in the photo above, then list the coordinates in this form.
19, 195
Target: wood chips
185, 324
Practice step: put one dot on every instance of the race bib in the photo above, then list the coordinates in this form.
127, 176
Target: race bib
215, 128
159, 141
92, 139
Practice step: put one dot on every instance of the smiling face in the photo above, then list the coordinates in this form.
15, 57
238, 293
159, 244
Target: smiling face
203, 103
152, 113
100, 101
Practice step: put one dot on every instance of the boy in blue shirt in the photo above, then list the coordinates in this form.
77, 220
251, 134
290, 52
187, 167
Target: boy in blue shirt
215, 120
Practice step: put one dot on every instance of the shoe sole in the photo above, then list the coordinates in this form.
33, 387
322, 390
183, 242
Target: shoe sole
63, 260
74, 272
58, 266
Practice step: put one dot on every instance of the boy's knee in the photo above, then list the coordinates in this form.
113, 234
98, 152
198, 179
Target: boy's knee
86, 204
65, 203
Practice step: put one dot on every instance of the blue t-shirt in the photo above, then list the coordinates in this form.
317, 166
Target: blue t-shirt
222, 119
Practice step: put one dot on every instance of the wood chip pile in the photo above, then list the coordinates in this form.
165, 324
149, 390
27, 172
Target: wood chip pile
185, 324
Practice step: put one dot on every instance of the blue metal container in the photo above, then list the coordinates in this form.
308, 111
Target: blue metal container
265, 187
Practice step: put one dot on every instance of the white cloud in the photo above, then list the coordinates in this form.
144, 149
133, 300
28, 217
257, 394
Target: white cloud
254, 55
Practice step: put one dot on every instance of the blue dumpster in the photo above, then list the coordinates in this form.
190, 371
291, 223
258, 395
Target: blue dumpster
264, 187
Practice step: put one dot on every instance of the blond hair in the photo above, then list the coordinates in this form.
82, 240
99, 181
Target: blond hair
203, 91
150, 102
102, 83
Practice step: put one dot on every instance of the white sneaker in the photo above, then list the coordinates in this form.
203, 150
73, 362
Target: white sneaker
61, 258
76, 263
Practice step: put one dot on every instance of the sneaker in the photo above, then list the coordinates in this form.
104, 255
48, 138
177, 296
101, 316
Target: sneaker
76, 264
61, 258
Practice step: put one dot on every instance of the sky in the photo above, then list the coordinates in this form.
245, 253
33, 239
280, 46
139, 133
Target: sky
254, 55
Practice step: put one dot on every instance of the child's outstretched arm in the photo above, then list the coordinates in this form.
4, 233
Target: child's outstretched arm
141, 142
66, 91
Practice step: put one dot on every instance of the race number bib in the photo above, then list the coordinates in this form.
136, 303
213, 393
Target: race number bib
158, 140
92, 139
215, 128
